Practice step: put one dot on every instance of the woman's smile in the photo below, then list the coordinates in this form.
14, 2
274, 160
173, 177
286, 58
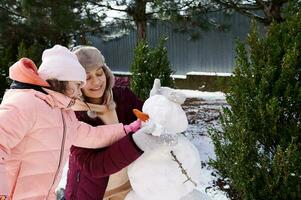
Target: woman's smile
96, 83
95, 89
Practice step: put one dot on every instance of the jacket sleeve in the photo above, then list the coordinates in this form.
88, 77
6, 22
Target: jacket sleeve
17, 117
106, 161
135, 102
88, 136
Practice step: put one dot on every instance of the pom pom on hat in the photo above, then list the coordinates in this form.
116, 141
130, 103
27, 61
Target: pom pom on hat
60, 63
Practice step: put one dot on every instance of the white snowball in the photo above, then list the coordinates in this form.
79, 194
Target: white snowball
155, 176
166, 114
196, 195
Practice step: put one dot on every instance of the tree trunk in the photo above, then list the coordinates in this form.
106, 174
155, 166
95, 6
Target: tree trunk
138, 12
141, 30
272, 12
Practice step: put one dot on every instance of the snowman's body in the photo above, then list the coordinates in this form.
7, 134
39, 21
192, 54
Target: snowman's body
157, 175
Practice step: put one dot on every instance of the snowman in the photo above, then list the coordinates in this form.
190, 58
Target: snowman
171, 171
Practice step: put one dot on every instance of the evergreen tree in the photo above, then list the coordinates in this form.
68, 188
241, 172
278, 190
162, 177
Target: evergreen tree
266, 12
149, 64
33, 52
259, 148
28, 27
187, 15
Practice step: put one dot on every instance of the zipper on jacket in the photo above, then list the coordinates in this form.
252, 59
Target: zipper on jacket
77, 176
61, 153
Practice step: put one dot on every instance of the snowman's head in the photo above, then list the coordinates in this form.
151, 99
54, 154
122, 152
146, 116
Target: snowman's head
164, 109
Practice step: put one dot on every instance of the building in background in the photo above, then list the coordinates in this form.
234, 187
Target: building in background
213, 52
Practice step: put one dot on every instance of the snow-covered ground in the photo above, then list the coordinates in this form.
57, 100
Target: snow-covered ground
202, 110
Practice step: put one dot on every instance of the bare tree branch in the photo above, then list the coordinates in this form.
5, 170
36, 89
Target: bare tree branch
106, 6
183, 171
270, 8
243, 9
12, 12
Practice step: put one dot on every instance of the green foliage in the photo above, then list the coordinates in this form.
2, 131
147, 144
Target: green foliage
28, 27
187, 16
5, 62
259, 149
34, 52
191, 17
8, 58
150, 63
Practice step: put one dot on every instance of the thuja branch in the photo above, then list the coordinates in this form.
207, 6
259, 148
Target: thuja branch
182, 169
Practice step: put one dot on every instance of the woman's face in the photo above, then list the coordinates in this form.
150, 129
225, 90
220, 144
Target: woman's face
73, 89
95, 83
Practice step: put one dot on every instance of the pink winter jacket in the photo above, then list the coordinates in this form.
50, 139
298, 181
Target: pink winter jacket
3, 176
36, 132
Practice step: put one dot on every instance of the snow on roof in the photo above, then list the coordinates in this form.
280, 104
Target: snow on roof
180, 76
209, 73
121, 73
204, 95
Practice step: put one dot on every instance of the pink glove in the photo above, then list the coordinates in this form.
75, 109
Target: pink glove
132, 127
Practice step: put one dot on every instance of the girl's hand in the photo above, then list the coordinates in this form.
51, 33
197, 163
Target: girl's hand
132, 127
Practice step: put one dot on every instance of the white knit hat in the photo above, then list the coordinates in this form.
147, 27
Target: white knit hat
61, 64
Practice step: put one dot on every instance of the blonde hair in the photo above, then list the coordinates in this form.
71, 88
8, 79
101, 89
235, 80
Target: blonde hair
91, 58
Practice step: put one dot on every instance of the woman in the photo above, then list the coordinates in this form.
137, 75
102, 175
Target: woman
37, 125
104, 104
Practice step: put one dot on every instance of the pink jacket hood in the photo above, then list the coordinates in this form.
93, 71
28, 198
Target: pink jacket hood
25, 71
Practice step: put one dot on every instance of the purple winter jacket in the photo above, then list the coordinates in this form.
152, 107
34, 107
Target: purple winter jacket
89, 169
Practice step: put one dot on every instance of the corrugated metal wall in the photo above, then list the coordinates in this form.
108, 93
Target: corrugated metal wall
213, 52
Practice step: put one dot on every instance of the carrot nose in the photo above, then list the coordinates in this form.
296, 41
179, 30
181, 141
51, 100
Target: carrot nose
140, 115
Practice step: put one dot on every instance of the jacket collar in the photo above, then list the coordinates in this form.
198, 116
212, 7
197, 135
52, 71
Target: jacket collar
19, 85
56, 99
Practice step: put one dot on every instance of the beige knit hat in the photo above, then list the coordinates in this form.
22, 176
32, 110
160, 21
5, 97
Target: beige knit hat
90, 58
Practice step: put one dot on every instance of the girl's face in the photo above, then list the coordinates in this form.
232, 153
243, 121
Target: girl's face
95, 83
73, 89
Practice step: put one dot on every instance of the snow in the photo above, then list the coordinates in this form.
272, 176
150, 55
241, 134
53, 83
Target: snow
122, 73
156, 176
178, 76
159, 109
171, 170
209, 74
181, 76
202, 110
207, 96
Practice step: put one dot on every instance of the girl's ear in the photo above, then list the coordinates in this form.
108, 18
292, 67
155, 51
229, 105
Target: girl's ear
69, 91
156, 87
